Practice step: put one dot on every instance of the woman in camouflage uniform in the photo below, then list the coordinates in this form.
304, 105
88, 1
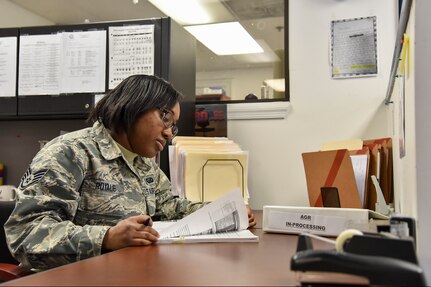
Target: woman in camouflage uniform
96, 189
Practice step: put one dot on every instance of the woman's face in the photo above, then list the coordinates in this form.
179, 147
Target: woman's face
149, 135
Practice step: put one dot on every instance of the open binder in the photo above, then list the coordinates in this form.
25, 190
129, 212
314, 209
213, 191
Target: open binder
342, 177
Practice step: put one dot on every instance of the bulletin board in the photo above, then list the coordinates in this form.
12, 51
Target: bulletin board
61, 69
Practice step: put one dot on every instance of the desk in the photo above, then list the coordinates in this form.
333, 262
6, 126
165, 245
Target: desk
266, 263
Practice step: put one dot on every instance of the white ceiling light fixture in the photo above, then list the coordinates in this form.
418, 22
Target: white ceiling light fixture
268, 55
225, 38
185, 12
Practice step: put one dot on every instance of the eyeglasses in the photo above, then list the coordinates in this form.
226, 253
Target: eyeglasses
168, 121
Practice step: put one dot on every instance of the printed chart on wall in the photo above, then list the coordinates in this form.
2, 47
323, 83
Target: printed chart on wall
131, 51
61, 63
8, 60
354, 48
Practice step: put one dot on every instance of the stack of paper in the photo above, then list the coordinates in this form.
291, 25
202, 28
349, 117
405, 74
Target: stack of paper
205, 168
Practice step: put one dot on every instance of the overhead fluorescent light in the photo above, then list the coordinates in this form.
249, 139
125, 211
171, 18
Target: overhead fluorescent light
268, 55
225, 38
185, 12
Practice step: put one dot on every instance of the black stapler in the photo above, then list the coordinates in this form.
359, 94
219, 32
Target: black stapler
369, 259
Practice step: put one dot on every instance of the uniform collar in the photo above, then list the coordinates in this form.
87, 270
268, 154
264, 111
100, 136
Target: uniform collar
128, 155
107, 146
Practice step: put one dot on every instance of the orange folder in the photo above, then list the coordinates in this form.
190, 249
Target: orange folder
381, 165
331, 170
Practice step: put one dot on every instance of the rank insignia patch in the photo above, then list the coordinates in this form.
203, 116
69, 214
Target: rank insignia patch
29, 178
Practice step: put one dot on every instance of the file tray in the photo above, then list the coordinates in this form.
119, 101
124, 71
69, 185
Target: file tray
211, 177
326, 221
208, 175
365, 260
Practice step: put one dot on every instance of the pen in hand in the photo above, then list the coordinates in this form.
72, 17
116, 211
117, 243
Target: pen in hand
147, 222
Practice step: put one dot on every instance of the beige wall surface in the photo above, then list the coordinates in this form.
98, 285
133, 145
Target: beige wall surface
322, 109
11, 15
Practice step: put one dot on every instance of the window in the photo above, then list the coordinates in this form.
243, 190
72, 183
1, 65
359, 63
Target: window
231, 78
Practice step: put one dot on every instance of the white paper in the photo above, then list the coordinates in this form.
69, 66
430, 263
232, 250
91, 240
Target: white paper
353, 47
131, 51
39, 64
232, 236
97, 98
84, 62
8, 58
228, 213
360, 164
173, 171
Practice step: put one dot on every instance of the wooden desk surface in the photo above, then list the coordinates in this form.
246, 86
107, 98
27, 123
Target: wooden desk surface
266, 263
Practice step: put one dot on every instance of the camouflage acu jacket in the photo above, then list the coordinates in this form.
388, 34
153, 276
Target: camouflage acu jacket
78, 186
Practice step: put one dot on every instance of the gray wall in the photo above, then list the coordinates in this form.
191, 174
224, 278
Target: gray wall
19, 142
423, 130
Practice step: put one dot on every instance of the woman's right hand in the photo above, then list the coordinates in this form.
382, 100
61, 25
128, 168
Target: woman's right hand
132, 231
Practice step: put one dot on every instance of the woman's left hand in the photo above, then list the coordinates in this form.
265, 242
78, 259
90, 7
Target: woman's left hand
251, 218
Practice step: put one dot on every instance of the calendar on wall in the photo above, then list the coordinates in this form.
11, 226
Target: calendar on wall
131, 51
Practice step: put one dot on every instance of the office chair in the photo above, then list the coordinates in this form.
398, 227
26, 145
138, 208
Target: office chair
9, 268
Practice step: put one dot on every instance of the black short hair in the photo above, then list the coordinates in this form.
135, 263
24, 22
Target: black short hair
251, 97
120, 107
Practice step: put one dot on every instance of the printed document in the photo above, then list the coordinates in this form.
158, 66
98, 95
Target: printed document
39, 64
8, 59
223, 220
83, 62
353, 47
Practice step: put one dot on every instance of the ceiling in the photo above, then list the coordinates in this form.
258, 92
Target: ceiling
263, 19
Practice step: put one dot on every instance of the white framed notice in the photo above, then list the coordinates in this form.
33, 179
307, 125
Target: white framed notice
354, 47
